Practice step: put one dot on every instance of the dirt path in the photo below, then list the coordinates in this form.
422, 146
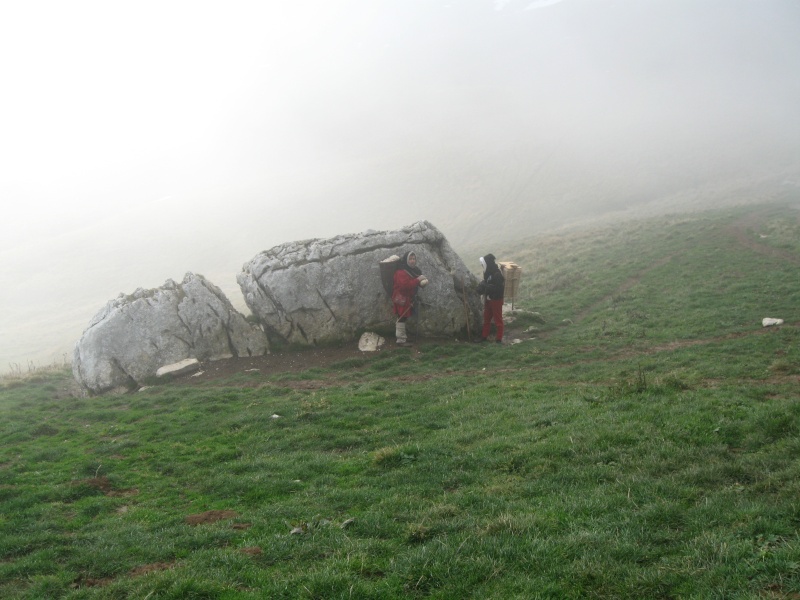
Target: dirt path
284, 362
264, 367
628, 284
297, 361
753, 221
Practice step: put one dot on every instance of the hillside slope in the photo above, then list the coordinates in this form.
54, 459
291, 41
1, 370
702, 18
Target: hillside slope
641, 442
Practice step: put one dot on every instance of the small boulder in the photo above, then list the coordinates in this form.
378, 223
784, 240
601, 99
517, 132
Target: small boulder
370, 342
134, 335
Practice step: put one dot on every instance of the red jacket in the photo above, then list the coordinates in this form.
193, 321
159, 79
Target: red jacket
405, 286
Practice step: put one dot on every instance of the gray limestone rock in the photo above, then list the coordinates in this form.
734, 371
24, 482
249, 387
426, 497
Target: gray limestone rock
327, 290
133, 335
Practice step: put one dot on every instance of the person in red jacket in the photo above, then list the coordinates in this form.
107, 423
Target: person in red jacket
407, 278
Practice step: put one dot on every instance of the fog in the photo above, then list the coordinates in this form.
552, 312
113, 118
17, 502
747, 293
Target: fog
140, 141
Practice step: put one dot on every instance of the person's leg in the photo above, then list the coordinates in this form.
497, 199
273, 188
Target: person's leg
487, 319
498, 319
400, 331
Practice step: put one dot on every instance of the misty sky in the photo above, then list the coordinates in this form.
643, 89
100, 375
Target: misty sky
139, 141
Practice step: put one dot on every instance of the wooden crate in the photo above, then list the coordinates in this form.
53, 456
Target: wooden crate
513, 274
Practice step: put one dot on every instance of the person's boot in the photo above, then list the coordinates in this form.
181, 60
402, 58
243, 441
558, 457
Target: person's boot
400, 334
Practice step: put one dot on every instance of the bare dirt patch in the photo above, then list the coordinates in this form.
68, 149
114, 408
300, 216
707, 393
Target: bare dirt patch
289, 361
151, 568
82, 581
298, 361
211, 516
104, 485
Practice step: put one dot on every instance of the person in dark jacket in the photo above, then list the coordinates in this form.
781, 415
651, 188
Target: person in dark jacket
407, 279
493, 287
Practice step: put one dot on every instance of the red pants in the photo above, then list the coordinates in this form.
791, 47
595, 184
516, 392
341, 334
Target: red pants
493, 310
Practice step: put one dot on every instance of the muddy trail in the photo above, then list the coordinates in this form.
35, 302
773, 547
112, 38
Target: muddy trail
744, 230
262, 368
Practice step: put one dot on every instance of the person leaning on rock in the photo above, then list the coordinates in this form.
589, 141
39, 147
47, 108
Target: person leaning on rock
407, 279
493, 287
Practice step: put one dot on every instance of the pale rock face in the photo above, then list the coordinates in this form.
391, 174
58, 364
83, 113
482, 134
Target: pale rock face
327, 290
134, 335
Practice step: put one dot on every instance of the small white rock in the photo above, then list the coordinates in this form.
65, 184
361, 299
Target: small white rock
769, 322
370, 342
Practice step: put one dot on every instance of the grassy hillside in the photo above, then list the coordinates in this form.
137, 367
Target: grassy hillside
644, 444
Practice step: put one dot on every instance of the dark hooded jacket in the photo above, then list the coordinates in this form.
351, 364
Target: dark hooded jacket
493, 284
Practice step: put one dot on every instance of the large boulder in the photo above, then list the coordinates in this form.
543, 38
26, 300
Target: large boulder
134, 335
327, 290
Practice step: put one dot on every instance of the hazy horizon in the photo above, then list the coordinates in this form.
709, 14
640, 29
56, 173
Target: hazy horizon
145, 141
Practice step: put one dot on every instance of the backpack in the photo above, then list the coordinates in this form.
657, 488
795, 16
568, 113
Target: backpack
388, 266
494, 287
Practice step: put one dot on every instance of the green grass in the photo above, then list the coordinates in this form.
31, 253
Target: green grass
649, 449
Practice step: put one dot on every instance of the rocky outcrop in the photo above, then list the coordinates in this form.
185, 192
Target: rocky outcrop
134, 335
325, 290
